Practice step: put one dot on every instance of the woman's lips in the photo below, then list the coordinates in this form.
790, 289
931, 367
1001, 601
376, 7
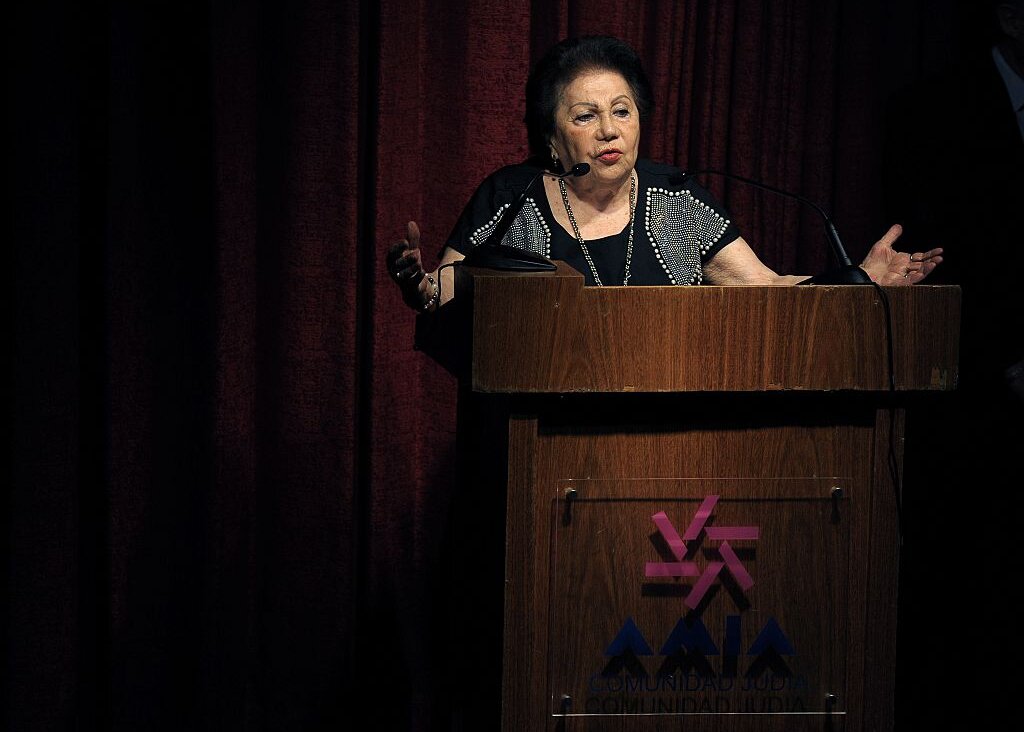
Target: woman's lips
609, 156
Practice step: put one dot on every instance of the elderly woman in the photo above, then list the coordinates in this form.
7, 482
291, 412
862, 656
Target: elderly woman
625, 222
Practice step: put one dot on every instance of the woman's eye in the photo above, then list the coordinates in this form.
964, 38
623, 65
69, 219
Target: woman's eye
622, 113
585, 117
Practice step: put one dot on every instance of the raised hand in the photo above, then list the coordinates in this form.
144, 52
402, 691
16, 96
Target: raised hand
886, 266
405, 265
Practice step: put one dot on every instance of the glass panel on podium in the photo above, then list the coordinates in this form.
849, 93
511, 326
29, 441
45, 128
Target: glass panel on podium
699, 596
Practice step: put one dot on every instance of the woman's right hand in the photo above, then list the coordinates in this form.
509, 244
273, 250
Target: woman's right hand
405, 265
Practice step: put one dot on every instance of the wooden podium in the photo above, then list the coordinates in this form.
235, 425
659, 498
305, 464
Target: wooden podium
702, 526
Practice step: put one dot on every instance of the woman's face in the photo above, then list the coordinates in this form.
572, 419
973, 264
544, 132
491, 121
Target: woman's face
597, 122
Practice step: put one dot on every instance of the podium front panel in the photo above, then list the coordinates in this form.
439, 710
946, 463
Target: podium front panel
683, 597
806, 609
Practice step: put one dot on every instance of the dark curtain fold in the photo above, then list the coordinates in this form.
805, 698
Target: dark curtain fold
233, 472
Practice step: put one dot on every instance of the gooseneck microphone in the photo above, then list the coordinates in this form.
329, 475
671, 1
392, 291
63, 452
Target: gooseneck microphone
847, 273
492, 254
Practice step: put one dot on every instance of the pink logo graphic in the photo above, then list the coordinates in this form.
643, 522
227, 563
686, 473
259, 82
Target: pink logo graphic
677, 544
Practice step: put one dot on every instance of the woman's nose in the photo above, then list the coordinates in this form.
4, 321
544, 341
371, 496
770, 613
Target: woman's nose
609, 129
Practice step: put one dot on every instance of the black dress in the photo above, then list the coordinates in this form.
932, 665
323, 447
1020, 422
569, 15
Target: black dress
678, 227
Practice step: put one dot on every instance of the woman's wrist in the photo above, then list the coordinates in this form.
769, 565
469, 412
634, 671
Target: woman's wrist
875, 274
434, 294
424, 295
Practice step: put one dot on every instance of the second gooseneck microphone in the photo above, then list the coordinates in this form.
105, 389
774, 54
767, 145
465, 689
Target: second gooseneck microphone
847, 273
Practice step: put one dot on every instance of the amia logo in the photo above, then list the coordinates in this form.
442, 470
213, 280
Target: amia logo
689, 648
696, 669
680, 547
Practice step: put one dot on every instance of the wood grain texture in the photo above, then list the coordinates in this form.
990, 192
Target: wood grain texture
546, 332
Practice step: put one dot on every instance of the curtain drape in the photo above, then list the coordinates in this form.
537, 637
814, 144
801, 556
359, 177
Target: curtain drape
233, 469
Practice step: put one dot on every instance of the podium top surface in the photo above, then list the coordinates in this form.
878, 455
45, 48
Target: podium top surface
548, 333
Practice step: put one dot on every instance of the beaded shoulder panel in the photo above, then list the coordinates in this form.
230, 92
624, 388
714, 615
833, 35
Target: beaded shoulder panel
529, 230
681, 229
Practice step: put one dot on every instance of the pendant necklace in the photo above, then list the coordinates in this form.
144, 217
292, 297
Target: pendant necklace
583, 244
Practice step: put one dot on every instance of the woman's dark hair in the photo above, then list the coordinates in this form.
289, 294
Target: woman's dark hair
563, 63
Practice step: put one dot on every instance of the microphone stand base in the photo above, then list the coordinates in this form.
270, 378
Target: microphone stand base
504, 257
849, 274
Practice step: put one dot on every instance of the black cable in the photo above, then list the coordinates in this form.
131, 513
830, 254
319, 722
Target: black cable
894, 464
450, 264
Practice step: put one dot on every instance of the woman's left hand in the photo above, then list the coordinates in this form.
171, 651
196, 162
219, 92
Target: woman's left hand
886, 266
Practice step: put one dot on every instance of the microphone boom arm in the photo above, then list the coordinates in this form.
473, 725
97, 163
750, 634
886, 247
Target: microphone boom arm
848, 273
505, 222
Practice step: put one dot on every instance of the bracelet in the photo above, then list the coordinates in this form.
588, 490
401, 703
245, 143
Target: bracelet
433, 298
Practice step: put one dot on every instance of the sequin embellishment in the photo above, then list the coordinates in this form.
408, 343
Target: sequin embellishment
529, 230
682, 229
